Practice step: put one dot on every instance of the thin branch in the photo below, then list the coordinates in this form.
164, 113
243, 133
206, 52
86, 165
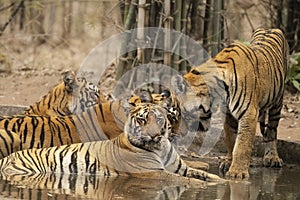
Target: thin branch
7, 7
249, 20
3, 27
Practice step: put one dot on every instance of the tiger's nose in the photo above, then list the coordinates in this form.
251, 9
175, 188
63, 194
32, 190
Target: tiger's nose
152, 131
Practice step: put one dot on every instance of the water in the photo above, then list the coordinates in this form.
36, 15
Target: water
264, 183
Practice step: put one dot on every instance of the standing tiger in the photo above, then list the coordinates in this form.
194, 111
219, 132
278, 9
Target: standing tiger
143, 150
251, 78
71, 96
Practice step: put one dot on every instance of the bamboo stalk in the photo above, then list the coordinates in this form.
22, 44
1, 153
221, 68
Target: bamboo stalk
183, 46
194, 21
167, 25
147, 52
130, 20
279, 14
177, 23
126, 9
140, 31
153, 12
206, 24
222, 22
216, 27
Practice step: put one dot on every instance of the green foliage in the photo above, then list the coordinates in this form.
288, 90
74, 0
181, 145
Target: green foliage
293, 78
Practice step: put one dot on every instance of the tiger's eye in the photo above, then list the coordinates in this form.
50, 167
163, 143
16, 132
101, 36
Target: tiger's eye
195, 72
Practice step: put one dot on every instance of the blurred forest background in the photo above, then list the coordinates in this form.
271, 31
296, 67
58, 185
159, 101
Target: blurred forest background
37, 35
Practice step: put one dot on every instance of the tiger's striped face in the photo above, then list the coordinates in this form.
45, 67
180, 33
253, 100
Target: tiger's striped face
166, 100
81, 93
195, 104
146, 125
74, 95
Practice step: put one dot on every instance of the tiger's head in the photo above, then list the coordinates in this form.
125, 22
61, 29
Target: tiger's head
166, 100
194, 97
71, 96
80, 93
147, 124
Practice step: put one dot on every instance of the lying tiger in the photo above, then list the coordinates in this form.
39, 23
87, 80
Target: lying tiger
45, 131
142, 149
98, 122
250, 80
73, 95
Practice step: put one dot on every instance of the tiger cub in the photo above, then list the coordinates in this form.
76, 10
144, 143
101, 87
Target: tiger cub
71, 96
142, 149
249, 80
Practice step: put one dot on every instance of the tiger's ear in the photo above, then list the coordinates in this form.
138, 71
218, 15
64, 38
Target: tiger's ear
69, 78
166, 93
166, 102
146, 97
178, 84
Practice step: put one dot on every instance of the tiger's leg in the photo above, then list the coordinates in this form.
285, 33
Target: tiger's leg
242, 150
173, 163
262, 120
230, 131
202, 175
271, 158
197, 164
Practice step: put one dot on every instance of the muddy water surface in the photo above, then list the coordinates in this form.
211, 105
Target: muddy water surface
263, 184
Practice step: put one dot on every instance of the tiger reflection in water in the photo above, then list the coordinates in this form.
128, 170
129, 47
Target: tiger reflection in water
73, 186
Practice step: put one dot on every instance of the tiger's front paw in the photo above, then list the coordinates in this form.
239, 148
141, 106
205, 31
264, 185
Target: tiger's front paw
271, 158
273, 161
224, 166
197, 165
203, 175
237, 174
